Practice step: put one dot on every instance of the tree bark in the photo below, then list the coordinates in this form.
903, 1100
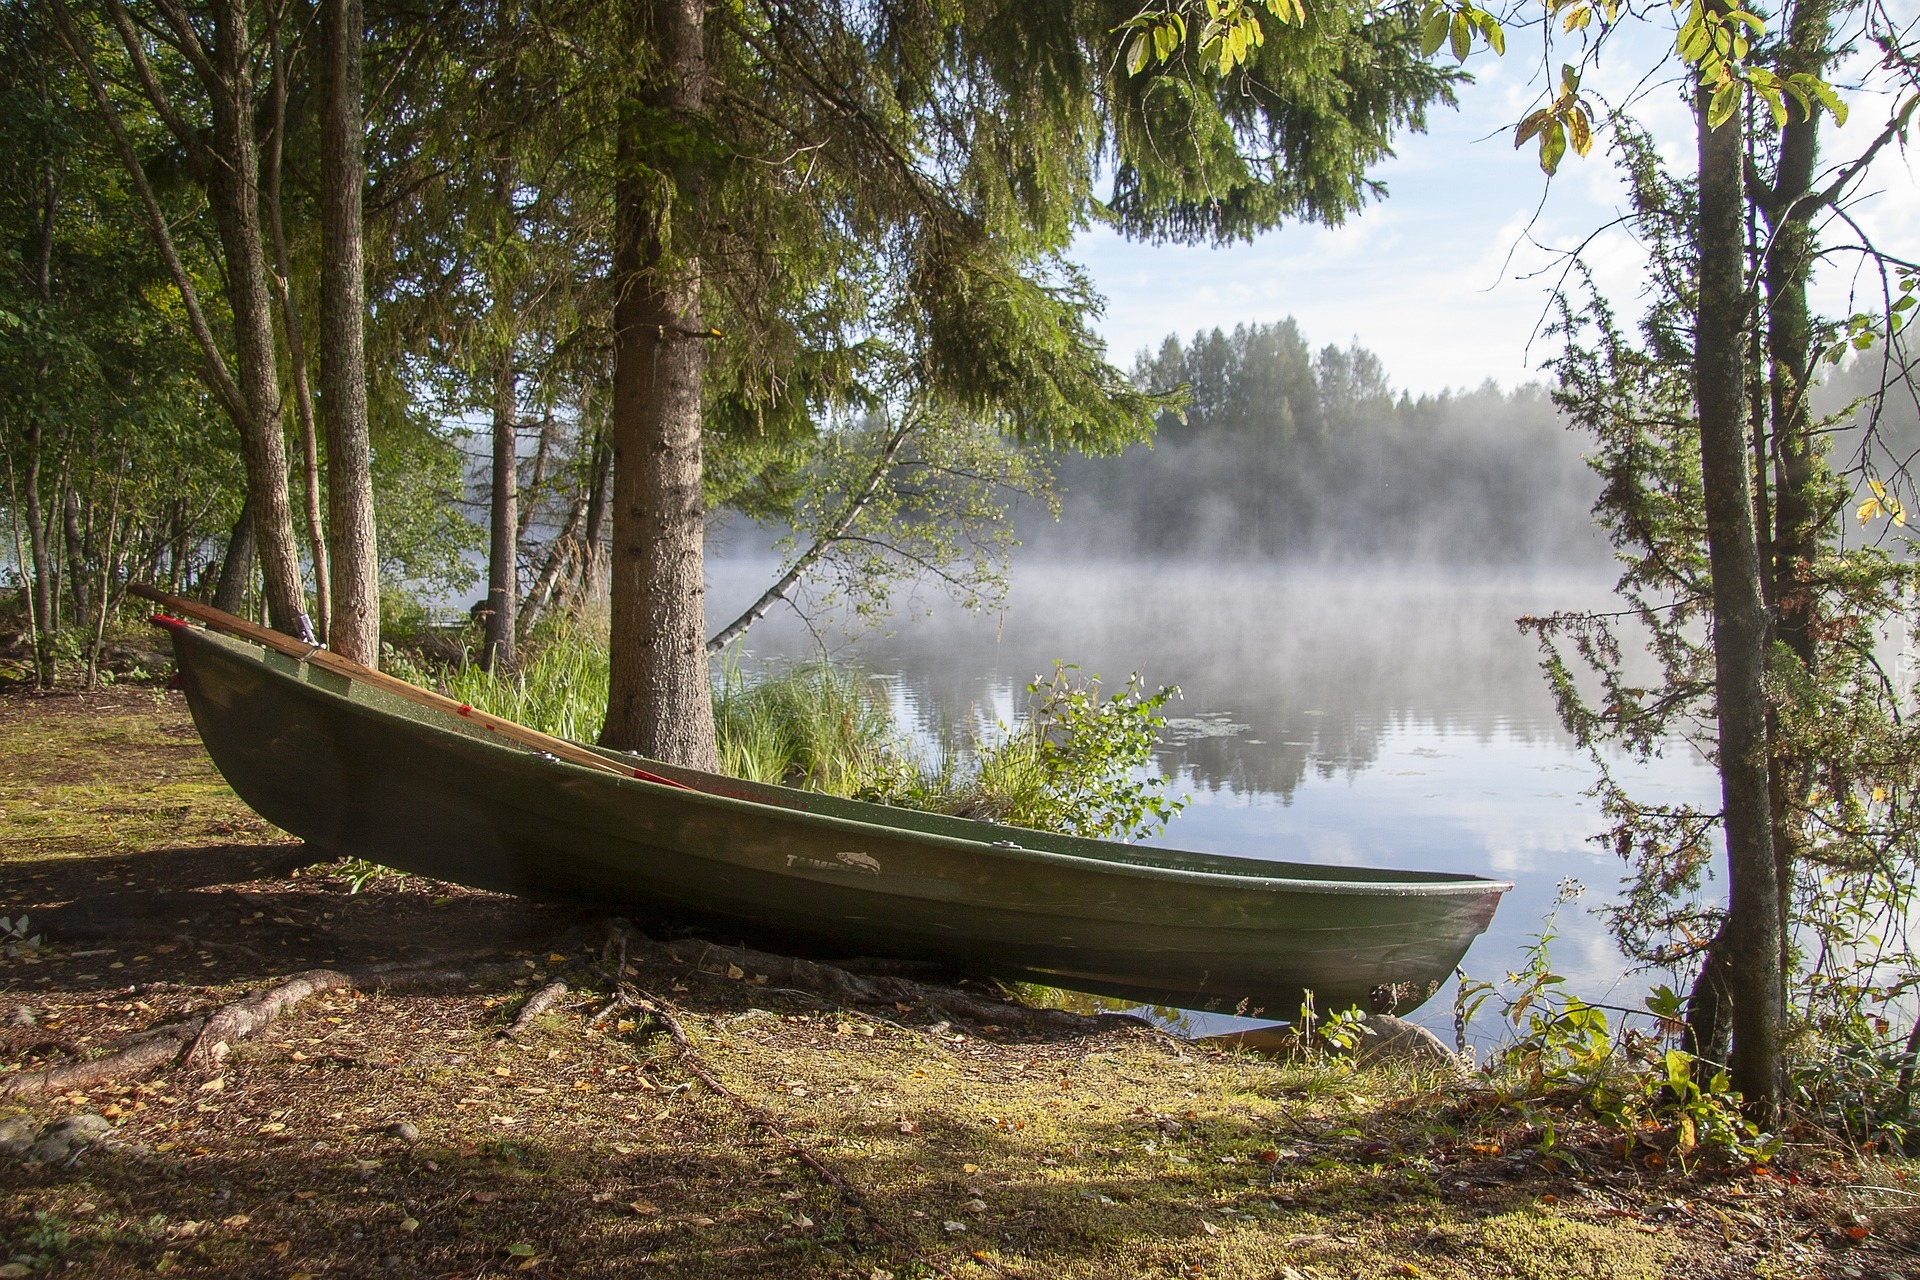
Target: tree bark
1799, 469
1740, 624
297, 360
46, 668
77, 575
236, 566
503, 606
593, 551
660, 698
354, 629
233, 187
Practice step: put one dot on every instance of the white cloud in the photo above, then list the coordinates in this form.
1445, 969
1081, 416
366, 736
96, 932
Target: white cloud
1420, 278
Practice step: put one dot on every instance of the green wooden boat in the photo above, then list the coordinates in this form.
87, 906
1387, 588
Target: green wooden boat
353, 767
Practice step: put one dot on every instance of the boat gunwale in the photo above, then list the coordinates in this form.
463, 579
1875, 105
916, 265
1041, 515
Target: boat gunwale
442, 724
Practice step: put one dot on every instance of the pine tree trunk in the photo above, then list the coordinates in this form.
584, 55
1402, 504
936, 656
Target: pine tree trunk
353, 554
660, 700
234, 192
1740, 624
503, 605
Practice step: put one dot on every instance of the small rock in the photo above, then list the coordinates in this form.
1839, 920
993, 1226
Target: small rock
403, 1131
23, 1017
1394, 1039
49, 1151
17, 1133
80, 1129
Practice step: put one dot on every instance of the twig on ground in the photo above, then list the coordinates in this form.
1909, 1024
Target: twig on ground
537, 1003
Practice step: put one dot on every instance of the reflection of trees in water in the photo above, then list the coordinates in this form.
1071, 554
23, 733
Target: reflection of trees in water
1283, 673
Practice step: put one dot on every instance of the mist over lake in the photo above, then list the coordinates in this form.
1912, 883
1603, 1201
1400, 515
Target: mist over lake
1358, 715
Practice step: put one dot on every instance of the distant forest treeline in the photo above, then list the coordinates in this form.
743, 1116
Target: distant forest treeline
1286, 453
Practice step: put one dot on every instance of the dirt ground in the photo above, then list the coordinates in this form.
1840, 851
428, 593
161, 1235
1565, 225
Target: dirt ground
393, 1131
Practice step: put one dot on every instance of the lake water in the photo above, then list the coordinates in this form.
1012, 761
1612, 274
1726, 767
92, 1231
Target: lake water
1357, 717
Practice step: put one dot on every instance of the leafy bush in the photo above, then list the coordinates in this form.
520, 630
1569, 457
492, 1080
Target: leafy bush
1635, 1082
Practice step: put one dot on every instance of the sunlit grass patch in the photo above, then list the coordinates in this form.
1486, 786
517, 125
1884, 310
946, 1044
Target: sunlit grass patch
109, 773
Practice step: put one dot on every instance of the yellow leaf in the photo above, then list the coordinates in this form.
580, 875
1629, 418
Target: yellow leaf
1879, 793
1868, 510
1879, 490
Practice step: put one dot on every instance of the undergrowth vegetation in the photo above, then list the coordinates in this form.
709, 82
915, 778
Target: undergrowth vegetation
1077, 762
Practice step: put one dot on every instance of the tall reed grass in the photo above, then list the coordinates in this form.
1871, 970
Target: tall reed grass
1076, 763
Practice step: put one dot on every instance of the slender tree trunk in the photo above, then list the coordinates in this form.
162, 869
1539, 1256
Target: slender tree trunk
503, 606
1799, 469
802, 565
236, 566
99, 628
593, 549
297, 360
355, 626
542, 453
560, 552
1740, 624
45, 659
77, 576
660, 697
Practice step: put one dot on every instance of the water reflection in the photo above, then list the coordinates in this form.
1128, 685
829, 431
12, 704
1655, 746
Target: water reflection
1357, 717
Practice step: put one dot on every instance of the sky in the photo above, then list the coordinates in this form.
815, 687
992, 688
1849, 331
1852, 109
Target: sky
1447, 278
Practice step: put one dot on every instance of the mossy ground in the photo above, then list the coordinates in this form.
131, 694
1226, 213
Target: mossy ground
586, 1151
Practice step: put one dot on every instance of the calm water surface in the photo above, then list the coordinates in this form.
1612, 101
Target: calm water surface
1353, 717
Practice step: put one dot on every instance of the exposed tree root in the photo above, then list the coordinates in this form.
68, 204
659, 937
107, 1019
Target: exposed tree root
148, 1051
203, 1041
242, 1018
537, 1003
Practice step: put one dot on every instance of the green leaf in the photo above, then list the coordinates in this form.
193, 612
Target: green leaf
1137, 54
1831, 100
1777, 104
1435, 33
1462, 37
1496, 34
1725, 101
1553, 145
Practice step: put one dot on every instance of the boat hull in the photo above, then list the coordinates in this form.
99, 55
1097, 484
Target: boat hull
361, 773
